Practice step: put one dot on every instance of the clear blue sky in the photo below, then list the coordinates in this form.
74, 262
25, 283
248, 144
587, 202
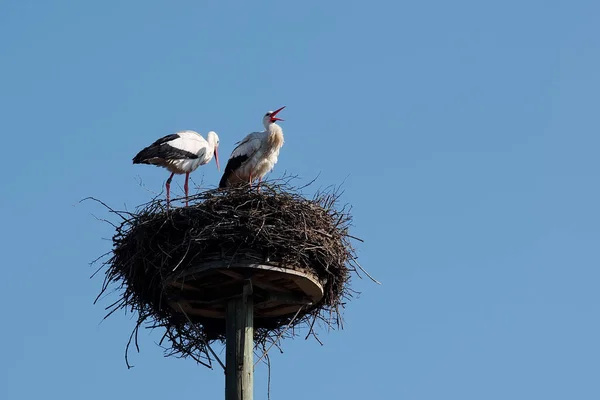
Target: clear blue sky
467, 135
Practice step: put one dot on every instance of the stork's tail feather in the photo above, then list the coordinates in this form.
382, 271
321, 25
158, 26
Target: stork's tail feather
232, 165
223, 182
144, 156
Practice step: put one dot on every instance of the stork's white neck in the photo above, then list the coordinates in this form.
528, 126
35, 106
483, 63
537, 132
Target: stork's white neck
274, 138
274, 128
212, 139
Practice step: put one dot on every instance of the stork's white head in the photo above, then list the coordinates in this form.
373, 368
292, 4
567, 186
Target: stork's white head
213, 139
270, 117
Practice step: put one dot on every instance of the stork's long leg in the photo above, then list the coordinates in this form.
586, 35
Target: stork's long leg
168, 186
185, 187
259, 182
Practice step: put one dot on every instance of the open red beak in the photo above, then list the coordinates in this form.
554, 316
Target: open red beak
273, 119
217, 158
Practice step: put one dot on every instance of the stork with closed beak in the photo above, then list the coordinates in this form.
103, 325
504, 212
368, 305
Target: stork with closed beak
180, 153
255, 155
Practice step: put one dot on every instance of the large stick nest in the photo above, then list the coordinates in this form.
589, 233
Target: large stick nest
278, 223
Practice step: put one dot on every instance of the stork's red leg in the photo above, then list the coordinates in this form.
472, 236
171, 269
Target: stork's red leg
250, 183
259, 182
185, 187
168, 185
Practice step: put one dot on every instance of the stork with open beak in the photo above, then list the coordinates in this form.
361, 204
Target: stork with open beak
255, 155
181, 153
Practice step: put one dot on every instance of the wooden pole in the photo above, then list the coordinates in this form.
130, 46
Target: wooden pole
239, 346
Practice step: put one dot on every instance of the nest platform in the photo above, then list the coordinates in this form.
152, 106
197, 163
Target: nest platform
203, 291
178, 268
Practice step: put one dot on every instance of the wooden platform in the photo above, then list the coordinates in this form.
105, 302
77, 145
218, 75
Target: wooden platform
204, 290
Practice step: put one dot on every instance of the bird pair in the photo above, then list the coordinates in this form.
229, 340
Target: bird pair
183, 152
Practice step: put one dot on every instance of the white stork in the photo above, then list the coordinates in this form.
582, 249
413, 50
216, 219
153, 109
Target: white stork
255, 155
180, 153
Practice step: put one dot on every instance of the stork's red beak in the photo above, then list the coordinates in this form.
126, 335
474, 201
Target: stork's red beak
273, 119
217, 158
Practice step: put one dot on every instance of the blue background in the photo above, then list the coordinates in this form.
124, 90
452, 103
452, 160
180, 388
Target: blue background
466, 133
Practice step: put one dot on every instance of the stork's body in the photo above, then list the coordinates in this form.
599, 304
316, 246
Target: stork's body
180, 153
256, 155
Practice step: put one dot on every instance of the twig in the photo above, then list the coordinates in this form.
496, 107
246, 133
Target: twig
184, 256
268, 376
201, 337
366, 273
280, 334
105, 205
133, 334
